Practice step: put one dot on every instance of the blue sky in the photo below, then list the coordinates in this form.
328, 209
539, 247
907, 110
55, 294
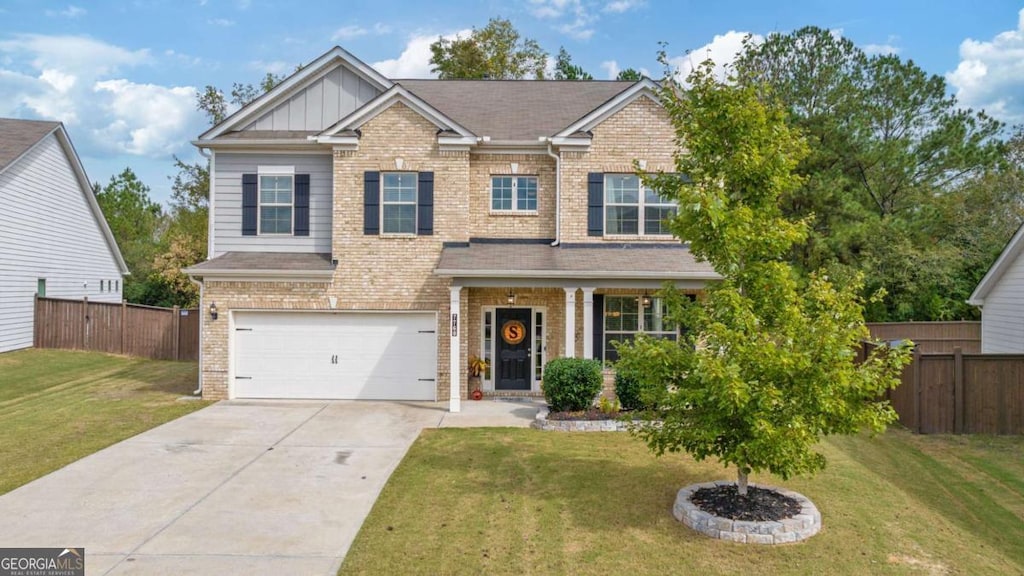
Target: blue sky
122, 76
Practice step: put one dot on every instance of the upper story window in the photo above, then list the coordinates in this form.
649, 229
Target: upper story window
514, 193
398, 203
276, 203
633, 209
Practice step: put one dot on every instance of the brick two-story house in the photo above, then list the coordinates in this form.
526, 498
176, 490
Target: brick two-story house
369, 235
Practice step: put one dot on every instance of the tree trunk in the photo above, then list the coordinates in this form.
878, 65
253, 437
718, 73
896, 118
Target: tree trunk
741, 481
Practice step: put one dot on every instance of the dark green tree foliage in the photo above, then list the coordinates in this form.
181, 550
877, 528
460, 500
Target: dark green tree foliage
630, 75
211, 100
497, 51
566, 70
888, 146
572, 384
766, 366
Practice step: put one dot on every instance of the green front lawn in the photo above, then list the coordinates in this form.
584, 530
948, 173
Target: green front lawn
57, 406
509, 501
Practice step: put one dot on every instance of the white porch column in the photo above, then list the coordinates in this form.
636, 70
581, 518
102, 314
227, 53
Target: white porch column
570, 322
588, 322
455, 361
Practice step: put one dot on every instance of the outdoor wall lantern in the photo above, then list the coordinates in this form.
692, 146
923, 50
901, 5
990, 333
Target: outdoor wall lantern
511, 297
645, 301
213, 310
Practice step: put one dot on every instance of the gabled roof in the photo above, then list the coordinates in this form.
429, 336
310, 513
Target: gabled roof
645, 87
515, 110
996, 272
328, 61
19, 137
385, 100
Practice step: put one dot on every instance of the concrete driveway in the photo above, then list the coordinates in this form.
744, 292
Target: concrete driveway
236, 488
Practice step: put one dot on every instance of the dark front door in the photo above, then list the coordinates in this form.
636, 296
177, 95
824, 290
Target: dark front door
513, 353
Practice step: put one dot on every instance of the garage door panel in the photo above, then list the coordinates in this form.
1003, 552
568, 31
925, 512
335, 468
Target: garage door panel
335, 355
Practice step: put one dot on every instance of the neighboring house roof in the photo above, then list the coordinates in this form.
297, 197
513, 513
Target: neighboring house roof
1010, 254
541, 260
18, 137
515, 110
290, 264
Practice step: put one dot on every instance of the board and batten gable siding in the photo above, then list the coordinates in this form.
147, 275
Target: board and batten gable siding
1002, 317
227, 225
47, 230
321, 104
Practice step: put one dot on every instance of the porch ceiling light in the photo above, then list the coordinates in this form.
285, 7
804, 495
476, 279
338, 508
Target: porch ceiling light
511, 297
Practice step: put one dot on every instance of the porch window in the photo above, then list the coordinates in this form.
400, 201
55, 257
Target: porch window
514, 193
538, 345
626, 316
398, 203
488, 341
633, 209
276, 204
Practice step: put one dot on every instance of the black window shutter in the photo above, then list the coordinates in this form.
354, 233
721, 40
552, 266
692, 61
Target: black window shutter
595, 204
425, 205
250, 203
371, 203
598, 326
302, 204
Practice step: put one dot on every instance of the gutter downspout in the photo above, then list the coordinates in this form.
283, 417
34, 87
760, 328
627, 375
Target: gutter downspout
202, 320
558, 194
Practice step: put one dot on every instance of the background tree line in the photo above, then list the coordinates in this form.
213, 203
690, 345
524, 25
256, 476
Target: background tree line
900, 184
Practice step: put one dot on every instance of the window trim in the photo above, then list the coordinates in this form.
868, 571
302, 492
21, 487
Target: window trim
274, 171
515, 194
641, 205
641, 328
414, 203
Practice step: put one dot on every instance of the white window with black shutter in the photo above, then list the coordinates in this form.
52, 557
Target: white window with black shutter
275, 202
398, 203
621, 205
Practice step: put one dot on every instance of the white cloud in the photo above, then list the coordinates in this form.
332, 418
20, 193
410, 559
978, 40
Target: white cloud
349, 32
991, 74
580, 20
722, 50
888, 47
69, 12
78, 81
612, 68
146, 119
620, 6
273, 67
414, 61
222, 22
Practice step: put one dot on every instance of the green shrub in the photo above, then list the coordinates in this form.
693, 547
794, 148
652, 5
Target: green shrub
572, 384
627, 389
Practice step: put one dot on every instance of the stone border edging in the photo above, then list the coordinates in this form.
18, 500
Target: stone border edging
800, 527
541, 422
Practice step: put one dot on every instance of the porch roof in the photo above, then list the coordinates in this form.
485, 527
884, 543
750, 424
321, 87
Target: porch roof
512, 259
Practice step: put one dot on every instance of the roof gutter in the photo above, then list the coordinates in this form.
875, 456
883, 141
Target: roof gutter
578, 274
558, 193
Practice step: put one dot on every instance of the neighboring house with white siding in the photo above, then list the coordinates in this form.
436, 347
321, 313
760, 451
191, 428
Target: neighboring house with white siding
54, 240
1000, 295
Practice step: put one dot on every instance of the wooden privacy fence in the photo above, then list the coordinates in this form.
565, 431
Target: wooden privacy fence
960, 393
131, 329
931, 337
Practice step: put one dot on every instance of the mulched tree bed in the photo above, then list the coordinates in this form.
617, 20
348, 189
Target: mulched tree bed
759, 505
591, 414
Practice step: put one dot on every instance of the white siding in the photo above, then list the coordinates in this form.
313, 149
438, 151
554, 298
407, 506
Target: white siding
319, 105
47, 230
227, 226
1002, 318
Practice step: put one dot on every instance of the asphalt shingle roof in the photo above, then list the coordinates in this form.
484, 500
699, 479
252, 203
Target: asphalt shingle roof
270, 261
640, 260
515, 109
17, 136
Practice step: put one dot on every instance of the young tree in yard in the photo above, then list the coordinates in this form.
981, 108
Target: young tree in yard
187, 233
496, 51
566, 70
767, 363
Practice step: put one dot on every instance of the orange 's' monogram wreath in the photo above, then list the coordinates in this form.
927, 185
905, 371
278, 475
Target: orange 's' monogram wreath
513, 332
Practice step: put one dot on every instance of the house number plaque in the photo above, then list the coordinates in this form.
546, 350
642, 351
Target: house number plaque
513, 332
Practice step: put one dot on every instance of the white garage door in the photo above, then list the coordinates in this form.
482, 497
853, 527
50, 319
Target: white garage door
343, 355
